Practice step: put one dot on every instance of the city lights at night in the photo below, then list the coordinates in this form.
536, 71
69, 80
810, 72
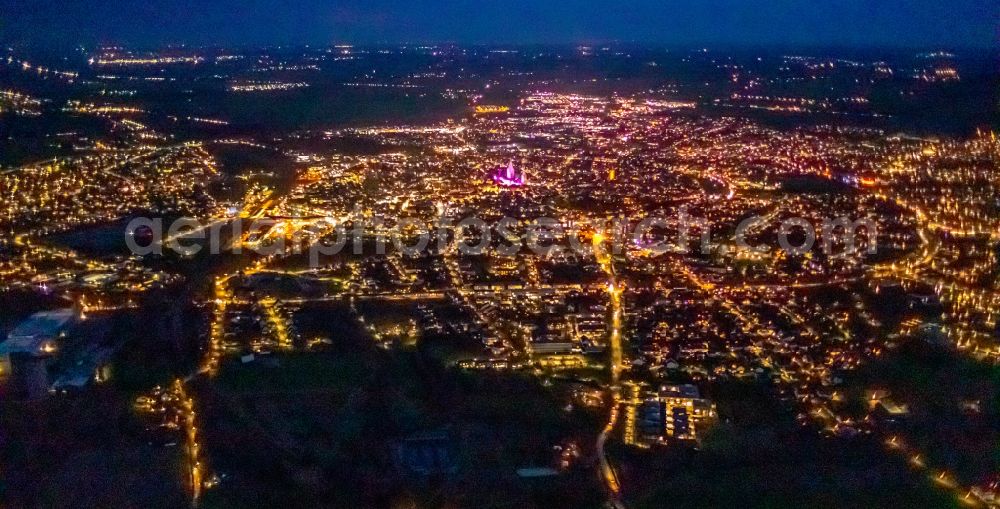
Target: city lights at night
520, 254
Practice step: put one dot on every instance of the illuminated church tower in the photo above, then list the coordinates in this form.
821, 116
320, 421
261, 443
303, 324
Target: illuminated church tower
509, 176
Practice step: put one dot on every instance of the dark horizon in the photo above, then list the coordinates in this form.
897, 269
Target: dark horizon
849, 24
817, 50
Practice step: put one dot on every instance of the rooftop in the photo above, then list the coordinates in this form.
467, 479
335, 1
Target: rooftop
30, 335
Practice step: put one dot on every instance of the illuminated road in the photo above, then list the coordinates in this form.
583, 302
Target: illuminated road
608, 474
194, 233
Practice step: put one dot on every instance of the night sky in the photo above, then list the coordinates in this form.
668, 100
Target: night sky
847, 23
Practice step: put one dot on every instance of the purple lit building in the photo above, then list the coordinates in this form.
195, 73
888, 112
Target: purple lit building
509, 177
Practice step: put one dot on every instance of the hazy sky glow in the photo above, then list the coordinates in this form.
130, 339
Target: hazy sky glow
914, 23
